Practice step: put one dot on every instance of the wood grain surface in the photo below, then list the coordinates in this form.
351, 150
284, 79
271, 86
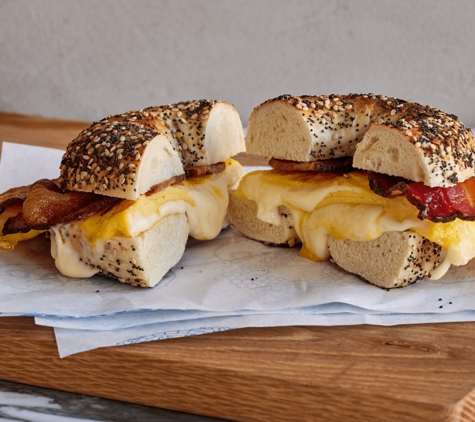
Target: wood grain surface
356, 373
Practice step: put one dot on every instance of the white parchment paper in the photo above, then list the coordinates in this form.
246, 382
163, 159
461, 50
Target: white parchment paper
24, 164
228, 274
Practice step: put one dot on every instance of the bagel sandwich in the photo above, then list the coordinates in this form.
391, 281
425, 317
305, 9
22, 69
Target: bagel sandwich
132, 188
381, 186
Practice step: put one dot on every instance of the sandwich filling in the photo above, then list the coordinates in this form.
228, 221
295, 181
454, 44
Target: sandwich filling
204, 199
344, 206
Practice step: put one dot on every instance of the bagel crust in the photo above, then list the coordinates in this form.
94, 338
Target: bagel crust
311, 128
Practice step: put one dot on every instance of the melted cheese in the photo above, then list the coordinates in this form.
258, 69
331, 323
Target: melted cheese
204, 200
345, 207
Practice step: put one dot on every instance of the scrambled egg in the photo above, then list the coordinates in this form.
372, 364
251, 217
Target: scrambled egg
204, 199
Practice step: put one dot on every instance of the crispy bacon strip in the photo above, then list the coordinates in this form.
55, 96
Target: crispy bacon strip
45, 205
23, 223
189, 172
436, 204
387, 186
16, 196
17, 224
336, 165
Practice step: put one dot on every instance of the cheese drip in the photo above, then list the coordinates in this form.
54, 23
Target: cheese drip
345, 207
204, 199
66, 258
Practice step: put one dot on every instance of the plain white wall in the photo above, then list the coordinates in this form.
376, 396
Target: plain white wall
87, 59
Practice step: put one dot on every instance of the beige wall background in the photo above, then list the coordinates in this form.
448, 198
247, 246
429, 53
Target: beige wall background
85, 59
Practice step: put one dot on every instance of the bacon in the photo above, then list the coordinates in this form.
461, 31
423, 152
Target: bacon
437, 204
336, 165
45, 205
387, 186
189, 173
195, 171
23, 224
160, 186
16, 196
16, 224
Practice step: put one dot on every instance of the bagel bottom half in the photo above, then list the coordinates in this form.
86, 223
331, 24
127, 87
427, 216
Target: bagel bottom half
395, 259
139, 261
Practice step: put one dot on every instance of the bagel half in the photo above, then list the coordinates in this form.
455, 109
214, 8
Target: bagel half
132, 188
242, 214
403, 138
330, 212
125, 155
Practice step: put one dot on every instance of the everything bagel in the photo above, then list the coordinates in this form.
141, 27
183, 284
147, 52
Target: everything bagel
107, 157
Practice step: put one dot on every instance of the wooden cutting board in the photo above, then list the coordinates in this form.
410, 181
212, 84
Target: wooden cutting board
358, 373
